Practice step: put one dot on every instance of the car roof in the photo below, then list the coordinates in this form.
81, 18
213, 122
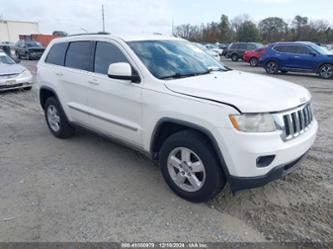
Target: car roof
125, 38
292, 43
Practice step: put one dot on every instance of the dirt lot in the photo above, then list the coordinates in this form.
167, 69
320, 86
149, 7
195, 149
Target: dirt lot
91, 189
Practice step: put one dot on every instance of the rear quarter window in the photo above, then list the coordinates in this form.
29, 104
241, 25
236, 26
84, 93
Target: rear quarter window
56, 54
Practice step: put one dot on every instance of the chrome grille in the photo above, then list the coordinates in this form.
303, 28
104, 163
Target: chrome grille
295, 122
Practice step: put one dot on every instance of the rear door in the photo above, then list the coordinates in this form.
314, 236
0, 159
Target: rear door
283, 54
74, 80
115, 104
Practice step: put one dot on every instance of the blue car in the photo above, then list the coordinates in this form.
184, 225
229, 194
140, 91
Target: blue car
304, 57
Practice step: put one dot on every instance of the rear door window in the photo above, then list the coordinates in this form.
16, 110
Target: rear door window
242, 46
251, 46
79, 55
57, 54
106, 54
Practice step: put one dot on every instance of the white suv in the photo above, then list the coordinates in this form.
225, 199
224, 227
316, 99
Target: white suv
204, 123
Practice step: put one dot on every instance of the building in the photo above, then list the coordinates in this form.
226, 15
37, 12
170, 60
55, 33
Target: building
10, 30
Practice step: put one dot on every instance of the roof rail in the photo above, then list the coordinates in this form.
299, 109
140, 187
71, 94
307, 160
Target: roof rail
98, 33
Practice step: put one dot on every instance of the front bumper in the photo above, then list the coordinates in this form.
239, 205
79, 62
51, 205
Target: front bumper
15, 83
241, 151
241, 183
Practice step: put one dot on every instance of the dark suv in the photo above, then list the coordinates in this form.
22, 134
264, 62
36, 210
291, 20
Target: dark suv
236, 50
29, 49
303, 57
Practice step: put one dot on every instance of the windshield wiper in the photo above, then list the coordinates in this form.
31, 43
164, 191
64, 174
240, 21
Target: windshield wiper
179, 75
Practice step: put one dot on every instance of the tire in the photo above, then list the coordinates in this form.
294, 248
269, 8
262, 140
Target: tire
271, 67
209, 177
254, 62
56, 119
234, 57
17, 55
28, 56
326, 71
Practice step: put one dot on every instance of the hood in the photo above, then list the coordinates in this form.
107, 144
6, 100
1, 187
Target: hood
247, 92
11, 69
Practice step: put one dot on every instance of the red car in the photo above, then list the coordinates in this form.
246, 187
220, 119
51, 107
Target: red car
252, 56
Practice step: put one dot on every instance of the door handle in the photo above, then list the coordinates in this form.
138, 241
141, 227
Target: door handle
59, 74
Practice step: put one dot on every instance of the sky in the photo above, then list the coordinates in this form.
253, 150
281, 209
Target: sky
152, 16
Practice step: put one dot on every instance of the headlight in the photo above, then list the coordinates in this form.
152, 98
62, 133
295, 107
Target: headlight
253, 122
25, 73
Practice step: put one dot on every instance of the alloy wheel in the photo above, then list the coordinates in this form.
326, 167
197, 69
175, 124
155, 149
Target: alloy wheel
186, 169
326, 71
53, 118
271, 67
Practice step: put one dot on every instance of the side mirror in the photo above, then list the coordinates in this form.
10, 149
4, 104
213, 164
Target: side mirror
122, 71
313, 53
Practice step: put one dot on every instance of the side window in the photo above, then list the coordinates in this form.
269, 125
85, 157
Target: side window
281, 49
234, 46
242, 46
79, 55
303, 50
291, 49
251, 46
57, 54
106, 54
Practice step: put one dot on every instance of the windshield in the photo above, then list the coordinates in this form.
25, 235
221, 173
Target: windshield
319, 49
32, 44
174, 59
4, 59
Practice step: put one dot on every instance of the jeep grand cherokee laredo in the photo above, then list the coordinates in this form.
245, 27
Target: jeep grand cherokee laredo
205, 124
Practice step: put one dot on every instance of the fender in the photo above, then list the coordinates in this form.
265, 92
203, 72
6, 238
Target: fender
195, 127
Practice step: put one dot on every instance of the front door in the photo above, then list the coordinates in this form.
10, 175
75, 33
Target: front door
115, 104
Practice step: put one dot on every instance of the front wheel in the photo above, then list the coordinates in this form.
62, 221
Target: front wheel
326, 71
56, 119
271, 67
190, 167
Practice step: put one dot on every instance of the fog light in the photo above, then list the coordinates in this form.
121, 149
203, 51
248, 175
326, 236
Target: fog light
264, 161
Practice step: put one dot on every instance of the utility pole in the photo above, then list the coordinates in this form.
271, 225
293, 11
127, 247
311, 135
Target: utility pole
103, 18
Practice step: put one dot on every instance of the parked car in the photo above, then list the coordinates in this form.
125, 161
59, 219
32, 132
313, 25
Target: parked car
304, 57
224, 47
13, 75
28, 49
212, 53
253, 56
205, 124
236, 50
214, 48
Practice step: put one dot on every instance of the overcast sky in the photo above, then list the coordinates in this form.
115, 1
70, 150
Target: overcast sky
148, 16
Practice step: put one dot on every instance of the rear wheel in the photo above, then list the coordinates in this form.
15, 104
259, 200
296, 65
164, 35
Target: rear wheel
271, 67
190, 167
254, 62
56, 119
326, 71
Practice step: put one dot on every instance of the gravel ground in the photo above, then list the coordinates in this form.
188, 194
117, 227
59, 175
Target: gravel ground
90, 189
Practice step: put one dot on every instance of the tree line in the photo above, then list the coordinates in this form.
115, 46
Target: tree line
271, 29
